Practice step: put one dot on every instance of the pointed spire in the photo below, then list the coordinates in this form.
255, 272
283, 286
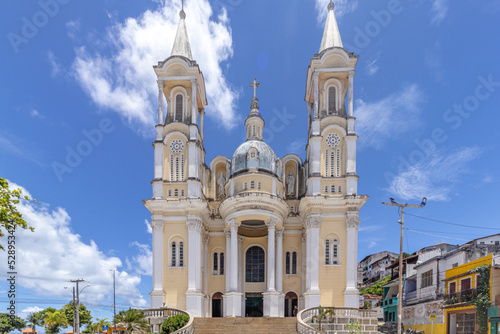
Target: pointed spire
331, 34
181, 44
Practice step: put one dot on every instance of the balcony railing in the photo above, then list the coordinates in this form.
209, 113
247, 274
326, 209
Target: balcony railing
460, 297
389, 302
411, 295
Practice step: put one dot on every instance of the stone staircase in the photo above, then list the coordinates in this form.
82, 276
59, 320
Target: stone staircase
245, 325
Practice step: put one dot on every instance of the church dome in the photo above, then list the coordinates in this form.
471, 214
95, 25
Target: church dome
255, 154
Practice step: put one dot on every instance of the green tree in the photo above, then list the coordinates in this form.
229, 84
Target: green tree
84, 314
133, 320
10, 217
376, 289
34, 319
322, 314
53, 321
9, 323
353, 327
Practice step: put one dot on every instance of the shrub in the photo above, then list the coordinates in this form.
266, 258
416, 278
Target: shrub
174, 323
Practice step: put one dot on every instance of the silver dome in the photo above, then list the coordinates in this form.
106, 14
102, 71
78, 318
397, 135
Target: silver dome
265, 158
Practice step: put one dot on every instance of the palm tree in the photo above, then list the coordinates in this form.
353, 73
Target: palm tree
322, 313
133, 321
97, 326
54, 320
33, 321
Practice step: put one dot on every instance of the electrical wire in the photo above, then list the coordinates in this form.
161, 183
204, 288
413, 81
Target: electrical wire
435, 235
455, 224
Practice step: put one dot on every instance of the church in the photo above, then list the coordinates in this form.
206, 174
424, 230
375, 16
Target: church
255, 234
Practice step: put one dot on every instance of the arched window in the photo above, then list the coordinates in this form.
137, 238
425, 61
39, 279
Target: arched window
245, 186
332, 100
179, 105
176, 192
326, 163
294, 263
173, 262
287, 263
326, 189
221, 267
216, 264
182, 192
182, 167
338, 163
332, 252
255, 265
252, 185
327, 251
181, 254
171, 168
340, 189
253, 130
259, 186
169, 192
333, 189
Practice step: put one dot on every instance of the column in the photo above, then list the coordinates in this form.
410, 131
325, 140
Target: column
316, 94
157, 293
303, 269
206, 272
271, 226
202, 124
233, 297
160, 102
240, 244
227, 232
312, 296
351, 94
194, 296
351, 293
234, 255
194, 102
158, 168
279, 259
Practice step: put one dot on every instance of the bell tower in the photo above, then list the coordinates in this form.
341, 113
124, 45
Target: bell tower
331, 177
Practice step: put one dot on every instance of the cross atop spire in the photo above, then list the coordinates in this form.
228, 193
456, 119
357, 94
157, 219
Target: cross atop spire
255, 84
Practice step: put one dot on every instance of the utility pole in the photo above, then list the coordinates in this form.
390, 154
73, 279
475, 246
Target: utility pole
400, 285
74, 310
114, 302
76, 329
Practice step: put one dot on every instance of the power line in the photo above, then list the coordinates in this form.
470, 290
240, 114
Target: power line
455, 224
434, 235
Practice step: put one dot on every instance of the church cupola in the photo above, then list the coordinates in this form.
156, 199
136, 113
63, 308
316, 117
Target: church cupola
331, 34
254, 123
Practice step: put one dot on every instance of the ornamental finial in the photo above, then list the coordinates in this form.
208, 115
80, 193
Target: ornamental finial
331, 5
182, 14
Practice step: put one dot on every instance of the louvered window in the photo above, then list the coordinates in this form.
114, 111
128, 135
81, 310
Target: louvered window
332, 100
179, 104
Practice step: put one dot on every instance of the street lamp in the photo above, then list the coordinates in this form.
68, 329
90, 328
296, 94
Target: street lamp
402, 206
76, 328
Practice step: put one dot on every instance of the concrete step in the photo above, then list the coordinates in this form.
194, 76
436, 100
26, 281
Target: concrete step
245, 325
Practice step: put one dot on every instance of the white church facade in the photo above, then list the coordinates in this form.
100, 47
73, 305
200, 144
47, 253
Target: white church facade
255, 234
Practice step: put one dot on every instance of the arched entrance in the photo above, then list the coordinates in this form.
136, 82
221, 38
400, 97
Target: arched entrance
291, 301
255, 270
217, 305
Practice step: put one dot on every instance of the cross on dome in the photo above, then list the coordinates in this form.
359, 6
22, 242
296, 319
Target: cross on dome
255, 84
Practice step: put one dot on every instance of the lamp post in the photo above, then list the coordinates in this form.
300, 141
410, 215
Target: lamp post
76, 328
402, 206
74, 308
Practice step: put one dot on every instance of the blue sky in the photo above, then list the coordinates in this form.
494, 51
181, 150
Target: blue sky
78, 77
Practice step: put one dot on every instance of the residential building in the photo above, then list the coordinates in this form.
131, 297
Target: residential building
374, 266
254, 234
461, 286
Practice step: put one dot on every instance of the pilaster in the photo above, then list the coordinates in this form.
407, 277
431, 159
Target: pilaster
158, 293
194, 296
351, 293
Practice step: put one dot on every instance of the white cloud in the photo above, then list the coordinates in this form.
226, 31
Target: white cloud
380, 121
54, 64
487, 179
439, 10
124, 80
143, 261
342, 7
372, 67
372, 244
36, 113
31, 309
434, 177
19, 147
368, 228
148, 226
53, 254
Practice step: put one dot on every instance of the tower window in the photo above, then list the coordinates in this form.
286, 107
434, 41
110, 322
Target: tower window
216, 264
176, 168
173, 255
253, 130
338, 163
182, 192
179, 105
259, 186
171, 168
340, 189
169, 192
182, 167
326, 189
294, 263
332, 100
326, 163
331, 252
332, 164
287, 263
333, 189
252, 185
221, 267
245, 186
181, 254
176, 192
327, 251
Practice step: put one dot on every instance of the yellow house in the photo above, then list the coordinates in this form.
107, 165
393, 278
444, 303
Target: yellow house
255, 234
462, 285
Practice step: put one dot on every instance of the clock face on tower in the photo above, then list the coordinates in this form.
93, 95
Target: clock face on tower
332, 140
176, 146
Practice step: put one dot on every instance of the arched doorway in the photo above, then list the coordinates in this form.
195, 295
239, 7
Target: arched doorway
255, 270
291, 301
217, 305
